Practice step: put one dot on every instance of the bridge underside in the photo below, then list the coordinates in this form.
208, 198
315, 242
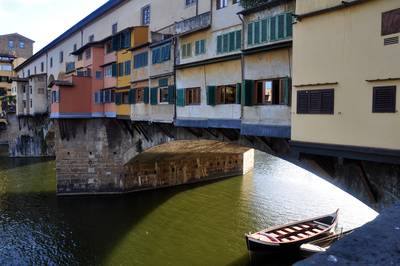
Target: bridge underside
100, 156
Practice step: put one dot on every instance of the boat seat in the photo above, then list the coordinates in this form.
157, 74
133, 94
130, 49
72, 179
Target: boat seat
285, 240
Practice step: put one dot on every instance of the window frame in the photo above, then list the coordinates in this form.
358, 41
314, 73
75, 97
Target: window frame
146, 17
221, 92
386, 109
190, 100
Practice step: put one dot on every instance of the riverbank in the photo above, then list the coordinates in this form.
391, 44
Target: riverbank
376, 243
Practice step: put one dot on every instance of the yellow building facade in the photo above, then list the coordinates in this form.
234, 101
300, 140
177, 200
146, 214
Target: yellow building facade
346, 73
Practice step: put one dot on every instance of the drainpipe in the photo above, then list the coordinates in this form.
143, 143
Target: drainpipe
174, 42
197, 7
242, 65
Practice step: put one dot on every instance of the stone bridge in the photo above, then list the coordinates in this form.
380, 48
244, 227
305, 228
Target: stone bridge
96, 156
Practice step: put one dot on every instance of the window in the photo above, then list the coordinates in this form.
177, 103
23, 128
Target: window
120, 69
186, 50
109, 47
229, 42
35, 70
114, 28
190, 2
10, 44
127, 67
125, 98
24, 102
51, 61
91, 38
192, 96
99, 75
315, 101
30, 90
200, 47
146, 15
61, 56
164, 95
30, 102
226, 94
391, 22
141, 60
75, 47
161, 54
140, 95
222, 4
80, 56
21, 45
41, 66
88, 53
29, 72
108, 71
5, 67
384, 99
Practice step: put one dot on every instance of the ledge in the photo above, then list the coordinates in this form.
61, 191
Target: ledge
316, 84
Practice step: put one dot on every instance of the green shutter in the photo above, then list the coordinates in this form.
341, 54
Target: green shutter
281, 26
146, 95
238, 39
180, 97
264, 30
232, 41
239, 93
272, 28
202, 46
257, 32
287, 91
248, 92
171, 94
289, 25
197, 48
211, 95
153, 96
114, 69
225, 43
118, 98
219, 44
163, 82
250, 33
132, 96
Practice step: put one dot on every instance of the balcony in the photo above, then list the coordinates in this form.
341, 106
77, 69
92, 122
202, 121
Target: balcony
193, 24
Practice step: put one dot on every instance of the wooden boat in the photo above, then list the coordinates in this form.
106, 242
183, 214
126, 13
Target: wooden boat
322, 244
291, 236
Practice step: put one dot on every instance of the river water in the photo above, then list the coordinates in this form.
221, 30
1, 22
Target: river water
189, 225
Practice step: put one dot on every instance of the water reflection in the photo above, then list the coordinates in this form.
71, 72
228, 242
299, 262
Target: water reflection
190, 225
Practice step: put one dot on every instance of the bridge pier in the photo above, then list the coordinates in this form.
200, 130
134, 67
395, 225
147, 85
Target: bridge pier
103, 156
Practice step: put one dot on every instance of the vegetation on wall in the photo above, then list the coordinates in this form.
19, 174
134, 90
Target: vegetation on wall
252, 3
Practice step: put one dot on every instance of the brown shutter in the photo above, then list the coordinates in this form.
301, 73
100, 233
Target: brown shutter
384, 99
302, 102
391, 22
327, 101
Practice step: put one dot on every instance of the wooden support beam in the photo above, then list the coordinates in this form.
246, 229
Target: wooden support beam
193, 131
367, 184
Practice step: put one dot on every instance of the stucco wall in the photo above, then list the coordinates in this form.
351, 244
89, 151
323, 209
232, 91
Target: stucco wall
346, 47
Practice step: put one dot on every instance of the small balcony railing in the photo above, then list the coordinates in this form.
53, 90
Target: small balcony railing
192, 24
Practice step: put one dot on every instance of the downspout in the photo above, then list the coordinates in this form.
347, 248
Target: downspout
242, 65
176, 88
197, 7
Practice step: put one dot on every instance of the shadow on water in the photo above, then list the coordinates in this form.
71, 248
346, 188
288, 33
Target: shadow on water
6, 163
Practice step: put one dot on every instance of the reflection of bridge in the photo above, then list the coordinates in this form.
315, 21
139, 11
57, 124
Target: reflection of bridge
93, 156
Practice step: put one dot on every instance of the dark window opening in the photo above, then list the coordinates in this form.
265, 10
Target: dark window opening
315, 101
391, 22
270, 92
226, 94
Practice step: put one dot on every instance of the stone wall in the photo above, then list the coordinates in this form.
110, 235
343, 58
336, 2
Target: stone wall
30, 136
98, 157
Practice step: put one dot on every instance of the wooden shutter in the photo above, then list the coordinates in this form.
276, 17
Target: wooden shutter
211, 91
219, 44
232, 41
163, 82
225, 43
197, 47
146, 95
239, 93
180, 97
302, 102
315, 102
264, 30
118, 98
289, 25
257, 32
250, 33
114, 69
287, 91
153, 96
281, 26
171, 94
327, 101
132, 96
248, 92
272, 29
384, 99
391, 22
238, 39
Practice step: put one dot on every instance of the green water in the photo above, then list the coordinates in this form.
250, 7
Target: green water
189, 225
